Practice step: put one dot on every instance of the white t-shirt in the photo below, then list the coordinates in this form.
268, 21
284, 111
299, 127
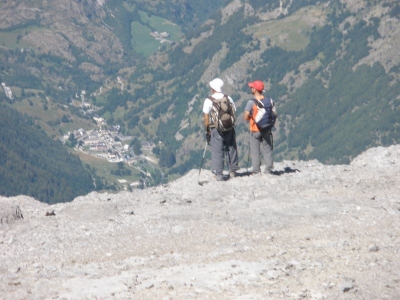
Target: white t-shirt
207, 106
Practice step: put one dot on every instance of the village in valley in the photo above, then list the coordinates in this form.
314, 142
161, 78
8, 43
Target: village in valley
107, 142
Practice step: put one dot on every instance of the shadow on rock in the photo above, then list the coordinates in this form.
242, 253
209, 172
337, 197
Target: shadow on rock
276, 172
285, 171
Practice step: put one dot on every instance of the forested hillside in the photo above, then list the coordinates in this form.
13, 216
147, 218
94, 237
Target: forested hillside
32, 164
332, 69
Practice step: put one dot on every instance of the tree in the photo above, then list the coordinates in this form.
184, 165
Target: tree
64, 119
71, 141
137, 147
167, 158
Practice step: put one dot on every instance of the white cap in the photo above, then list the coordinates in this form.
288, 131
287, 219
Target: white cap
217, 84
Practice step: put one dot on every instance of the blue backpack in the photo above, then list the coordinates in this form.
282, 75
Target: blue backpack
266, 115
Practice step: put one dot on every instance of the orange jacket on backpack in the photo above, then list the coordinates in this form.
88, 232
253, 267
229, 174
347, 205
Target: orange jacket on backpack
253, 125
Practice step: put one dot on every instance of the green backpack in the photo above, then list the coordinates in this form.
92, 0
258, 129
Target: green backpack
222, 114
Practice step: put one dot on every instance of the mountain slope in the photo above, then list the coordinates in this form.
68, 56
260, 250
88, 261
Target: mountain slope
332, 70
64, 47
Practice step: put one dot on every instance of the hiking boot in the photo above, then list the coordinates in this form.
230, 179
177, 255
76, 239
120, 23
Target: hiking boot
269, 172
219, 177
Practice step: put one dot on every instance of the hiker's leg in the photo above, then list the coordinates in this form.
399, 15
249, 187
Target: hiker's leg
217, 152
232, 159
255, 140
266, 147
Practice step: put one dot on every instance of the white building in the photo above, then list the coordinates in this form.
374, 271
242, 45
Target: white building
99, 120
7, 91
147, 145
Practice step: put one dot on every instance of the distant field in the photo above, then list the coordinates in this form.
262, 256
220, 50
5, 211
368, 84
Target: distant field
160, 25
104, 168
143, 42
36, 110
101, 100
9, 40
121, 111
13, 39
290, 33
53, 113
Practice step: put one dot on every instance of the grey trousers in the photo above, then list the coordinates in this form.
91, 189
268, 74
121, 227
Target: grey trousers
261, 140
222, 143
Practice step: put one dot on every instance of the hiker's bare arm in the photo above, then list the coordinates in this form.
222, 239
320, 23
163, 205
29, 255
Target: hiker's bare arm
246, 116
206, 121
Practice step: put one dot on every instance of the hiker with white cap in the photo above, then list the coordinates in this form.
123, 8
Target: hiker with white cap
219, 120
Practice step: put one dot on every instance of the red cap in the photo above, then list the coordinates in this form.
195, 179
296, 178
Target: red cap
258, 85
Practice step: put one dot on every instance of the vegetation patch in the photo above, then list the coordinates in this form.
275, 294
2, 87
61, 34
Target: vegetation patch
291, 33
14, 39
160, 24
142, 42
106, 170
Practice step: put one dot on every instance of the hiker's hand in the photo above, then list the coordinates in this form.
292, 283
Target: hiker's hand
208, 136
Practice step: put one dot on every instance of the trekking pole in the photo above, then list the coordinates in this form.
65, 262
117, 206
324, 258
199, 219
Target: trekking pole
204, 154
248, 156
272, 141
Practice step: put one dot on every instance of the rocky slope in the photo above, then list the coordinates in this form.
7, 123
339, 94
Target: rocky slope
60, 24
311, 231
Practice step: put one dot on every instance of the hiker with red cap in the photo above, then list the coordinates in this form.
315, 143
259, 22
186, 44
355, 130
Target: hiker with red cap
219, 121
261, 114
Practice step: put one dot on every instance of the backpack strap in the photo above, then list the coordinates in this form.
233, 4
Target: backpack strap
261, 105
218, 102
258, 102
215, 100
